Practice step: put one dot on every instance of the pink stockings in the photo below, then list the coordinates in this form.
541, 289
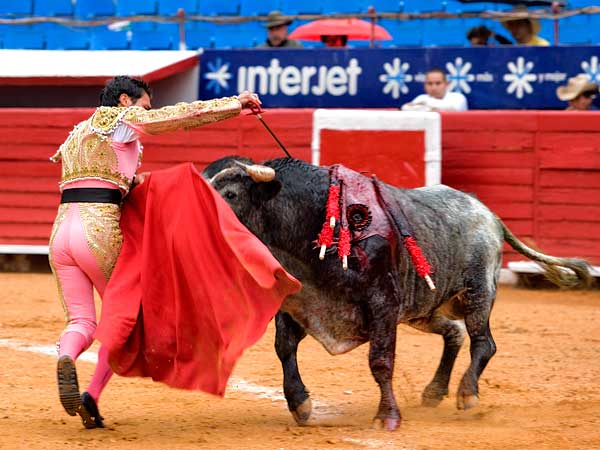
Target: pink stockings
73, 344
78, 228
101, 375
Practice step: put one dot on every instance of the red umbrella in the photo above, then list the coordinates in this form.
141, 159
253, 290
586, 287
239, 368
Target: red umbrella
355, 29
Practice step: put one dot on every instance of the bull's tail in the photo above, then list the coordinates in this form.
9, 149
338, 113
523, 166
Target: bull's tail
554, 267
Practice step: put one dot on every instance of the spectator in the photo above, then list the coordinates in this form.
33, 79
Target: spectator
277, 32
334, 40
437, 97
580, 92
525, 31
480, 36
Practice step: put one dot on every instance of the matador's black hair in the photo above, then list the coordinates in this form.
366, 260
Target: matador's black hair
133, 87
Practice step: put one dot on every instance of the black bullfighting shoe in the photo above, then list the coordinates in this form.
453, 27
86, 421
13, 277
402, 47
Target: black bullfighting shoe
68, 387
90, 416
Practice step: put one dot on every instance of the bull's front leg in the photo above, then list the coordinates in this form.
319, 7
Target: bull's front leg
382, 314
288, 335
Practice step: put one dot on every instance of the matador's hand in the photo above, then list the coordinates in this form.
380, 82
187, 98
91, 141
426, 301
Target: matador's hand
246, 98
139, 178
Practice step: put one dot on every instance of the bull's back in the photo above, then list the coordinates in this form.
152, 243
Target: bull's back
448, 212
459, 235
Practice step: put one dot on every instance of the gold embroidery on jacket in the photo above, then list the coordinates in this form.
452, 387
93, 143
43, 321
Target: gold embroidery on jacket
60, 217
106, 119
86, 154
103, 235
183, 116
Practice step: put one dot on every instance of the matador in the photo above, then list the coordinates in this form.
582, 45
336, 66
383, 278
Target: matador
99, 162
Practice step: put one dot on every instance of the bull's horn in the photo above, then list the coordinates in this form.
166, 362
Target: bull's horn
222, 173
259, 173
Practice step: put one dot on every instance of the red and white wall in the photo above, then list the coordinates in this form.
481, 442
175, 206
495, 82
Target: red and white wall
539, 171
401, 148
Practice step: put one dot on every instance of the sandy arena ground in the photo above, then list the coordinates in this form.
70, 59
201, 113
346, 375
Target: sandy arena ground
540, 391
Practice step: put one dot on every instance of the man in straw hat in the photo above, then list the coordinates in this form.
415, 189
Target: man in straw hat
580, 92
524, 30
277, 32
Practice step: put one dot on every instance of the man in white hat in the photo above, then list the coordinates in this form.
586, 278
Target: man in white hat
580, 92
524, 31
277, 32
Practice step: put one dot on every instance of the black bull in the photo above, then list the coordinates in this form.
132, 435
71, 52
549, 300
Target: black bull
461, 238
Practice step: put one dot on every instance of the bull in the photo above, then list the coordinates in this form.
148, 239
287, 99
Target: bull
283, 204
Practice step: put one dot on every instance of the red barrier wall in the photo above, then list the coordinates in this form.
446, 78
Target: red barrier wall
355, 149
28, 137
539, 171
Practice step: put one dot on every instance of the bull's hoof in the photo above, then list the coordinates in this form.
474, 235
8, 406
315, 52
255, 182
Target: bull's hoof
467, 401
302, 412
387, 424
431, 402
432, 396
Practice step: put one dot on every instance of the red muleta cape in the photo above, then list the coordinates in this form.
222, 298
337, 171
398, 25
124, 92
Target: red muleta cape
192, 287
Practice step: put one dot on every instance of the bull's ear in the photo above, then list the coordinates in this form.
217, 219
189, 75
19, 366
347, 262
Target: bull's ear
265, 191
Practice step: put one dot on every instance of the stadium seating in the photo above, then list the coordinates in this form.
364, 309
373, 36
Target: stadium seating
23, 37
170, 7
201, 35
238, 36
344, 7
15, 8
104, 39
454, 6
143, 26
415, 6
53, 8
304, 7
577, 30
87, 9
439, 32
218, 7
581, 3
405, 33
258, 7
386, 5
153, 40
170, 32
68, 39
135, 7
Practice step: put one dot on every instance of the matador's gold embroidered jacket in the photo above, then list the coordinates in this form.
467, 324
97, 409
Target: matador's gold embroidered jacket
106, 146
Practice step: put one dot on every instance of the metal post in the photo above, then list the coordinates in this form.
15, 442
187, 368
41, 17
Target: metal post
181, 20
556, 10
371, 11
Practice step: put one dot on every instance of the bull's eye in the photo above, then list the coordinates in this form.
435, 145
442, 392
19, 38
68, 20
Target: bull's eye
230, 195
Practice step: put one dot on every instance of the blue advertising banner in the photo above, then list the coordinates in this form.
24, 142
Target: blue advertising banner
490, 77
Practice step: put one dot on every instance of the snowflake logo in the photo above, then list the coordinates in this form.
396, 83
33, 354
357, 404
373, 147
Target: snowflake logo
591, 69
218, 75
459, 76
520, 77
395, 78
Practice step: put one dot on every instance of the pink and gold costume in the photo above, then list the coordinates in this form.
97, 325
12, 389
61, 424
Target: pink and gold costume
104, 151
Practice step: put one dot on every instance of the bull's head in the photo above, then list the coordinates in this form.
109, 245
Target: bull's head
246, 188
